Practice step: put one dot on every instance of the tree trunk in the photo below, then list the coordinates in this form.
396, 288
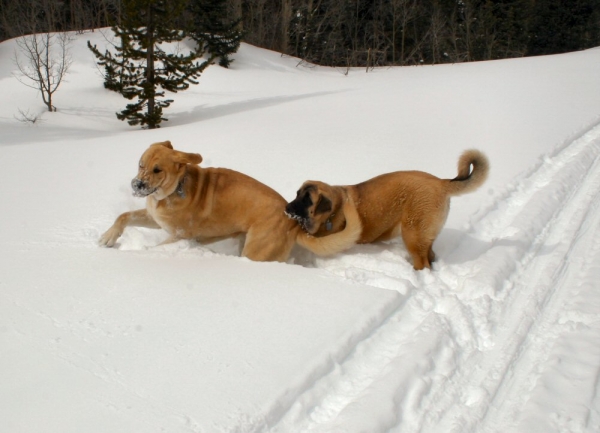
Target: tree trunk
286, 17
150, 68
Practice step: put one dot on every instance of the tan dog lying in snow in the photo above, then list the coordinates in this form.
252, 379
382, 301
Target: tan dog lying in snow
209, 204
412, 204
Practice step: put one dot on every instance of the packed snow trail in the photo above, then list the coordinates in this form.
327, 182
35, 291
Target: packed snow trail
547, 287
474, 340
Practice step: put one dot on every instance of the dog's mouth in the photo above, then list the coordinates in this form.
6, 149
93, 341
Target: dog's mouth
302, 221
144, 192
141, 188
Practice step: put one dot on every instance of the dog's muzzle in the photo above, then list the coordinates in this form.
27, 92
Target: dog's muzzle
140, 188
291, 213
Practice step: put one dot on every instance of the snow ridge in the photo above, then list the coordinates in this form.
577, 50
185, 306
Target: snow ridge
488, 319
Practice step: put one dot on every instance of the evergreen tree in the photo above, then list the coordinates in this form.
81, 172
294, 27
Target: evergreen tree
141, 69
212, 31
559, 26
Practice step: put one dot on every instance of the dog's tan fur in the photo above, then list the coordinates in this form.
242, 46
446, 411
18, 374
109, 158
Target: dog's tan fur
209, 204
412, 204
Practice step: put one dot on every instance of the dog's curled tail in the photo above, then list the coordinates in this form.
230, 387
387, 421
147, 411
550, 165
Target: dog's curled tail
336, 242
469, 180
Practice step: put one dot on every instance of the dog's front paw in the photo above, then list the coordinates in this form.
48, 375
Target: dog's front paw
109, 238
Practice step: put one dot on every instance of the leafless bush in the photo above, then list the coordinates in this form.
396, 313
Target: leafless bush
43, 61
28, 117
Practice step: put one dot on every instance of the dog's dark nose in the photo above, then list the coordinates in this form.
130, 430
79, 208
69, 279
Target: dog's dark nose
138, 184
294, 210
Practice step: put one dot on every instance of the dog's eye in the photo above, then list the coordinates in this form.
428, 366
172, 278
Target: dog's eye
156, 170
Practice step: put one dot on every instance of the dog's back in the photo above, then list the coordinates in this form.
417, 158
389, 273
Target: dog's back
414, 199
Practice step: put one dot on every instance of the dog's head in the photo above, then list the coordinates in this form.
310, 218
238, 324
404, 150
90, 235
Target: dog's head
161, 169
312, 206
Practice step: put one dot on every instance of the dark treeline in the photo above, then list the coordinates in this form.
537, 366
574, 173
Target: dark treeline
361, 32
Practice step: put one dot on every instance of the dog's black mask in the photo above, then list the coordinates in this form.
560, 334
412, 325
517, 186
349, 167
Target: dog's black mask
298, 208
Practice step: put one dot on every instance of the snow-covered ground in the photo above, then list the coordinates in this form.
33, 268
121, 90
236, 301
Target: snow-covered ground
503, 335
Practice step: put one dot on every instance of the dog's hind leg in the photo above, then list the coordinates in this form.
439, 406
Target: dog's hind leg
419, 248
265, 244
431, 254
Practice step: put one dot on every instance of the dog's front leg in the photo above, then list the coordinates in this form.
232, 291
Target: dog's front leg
138, 218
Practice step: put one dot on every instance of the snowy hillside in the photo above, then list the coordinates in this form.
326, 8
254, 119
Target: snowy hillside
503, 335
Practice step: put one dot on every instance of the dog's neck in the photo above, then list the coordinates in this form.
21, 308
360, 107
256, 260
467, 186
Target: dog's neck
337, 220
180, 191
329, 223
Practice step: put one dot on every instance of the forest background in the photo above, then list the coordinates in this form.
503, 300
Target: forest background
356, 32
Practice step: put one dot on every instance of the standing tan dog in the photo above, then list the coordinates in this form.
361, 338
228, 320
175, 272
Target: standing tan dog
210, 204
413, 204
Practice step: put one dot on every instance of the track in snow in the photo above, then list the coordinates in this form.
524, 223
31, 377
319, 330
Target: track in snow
472, 344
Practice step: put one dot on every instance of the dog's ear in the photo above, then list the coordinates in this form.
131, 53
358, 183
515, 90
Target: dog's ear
166, 144
324, 204
187, 158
